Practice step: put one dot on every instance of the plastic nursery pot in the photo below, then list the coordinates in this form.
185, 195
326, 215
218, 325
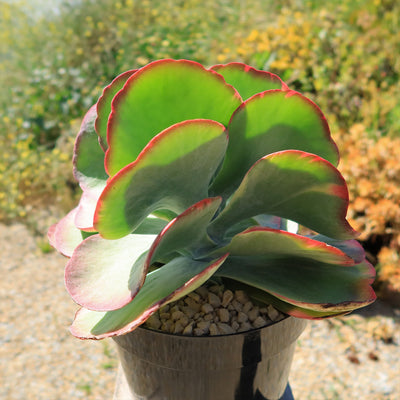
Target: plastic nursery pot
243, 366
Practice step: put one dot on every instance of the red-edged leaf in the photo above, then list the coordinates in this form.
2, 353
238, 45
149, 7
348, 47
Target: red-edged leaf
159, 95
299, 271
269, 122
187, 233
247, 80
104, 105
173, 172
291, 184
162, 286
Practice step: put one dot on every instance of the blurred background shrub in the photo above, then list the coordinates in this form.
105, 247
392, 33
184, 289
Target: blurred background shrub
342, 53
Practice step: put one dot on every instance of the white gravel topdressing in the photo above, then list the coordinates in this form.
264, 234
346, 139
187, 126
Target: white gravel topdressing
212, 311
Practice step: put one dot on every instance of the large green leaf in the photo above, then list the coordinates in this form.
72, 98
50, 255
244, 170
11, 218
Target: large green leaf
104, 105
272, 121
247, 80
162, 286
159, 95
299, 271
105, 274
187, 233
173, 172
295, 185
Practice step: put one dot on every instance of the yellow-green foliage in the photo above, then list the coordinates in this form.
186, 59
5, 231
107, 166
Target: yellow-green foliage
53, 67
344, 54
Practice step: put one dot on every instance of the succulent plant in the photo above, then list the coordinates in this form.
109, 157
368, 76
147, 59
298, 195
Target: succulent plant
189, 173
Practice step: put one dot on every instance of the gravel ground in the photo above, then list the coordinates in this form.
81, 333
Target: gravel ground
354, 357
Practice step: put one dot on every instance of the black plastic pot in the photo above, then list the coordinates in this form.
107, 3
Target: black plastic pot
244, 366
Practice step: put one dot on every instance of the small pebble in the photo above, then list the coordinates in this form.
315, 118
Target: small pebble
227, 297
196, 297
177, 315
259, 322
247, 307
189, 312
188, 329
223, 315
202, 291
214, 330
192, 304
274, 314
241, 296
242, 317
207, 308
199, 332
214, 300
236, 305
244, 326
204, 325
179, 327
253, 314
225, 329
153, 322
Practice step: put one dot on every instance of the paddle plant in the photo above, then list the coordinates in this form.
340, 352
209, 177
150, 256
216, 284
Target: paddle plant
189, 173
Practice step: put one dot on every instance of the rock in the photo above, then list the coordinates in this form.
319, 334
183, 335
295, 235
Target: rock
207, 308
259, 322
225, 329
224, 315
227, 297
188, 329
203, 292
242, 317
274, 314
247, 307
177, 315
154, 322
214, 330
192, 304
214, 300
241, 296
253, 314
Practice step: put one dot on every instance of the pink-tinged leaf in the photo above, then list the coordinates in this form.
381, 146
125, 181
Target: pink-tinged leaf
65, 236
87, 206
300, 271
104, 105
291, 184
273, 243
187, 233
88, 160
105, 275
247, 80
162, 286
269, 122
159, 95
350, 247
173, 172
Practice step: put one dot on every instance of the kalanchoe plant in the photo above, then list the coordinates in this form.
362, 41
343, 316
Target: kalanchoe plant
190, 173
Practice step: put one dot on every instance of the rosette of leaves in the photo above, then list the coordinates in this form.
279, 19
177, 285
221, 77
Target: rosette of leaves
190, 173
